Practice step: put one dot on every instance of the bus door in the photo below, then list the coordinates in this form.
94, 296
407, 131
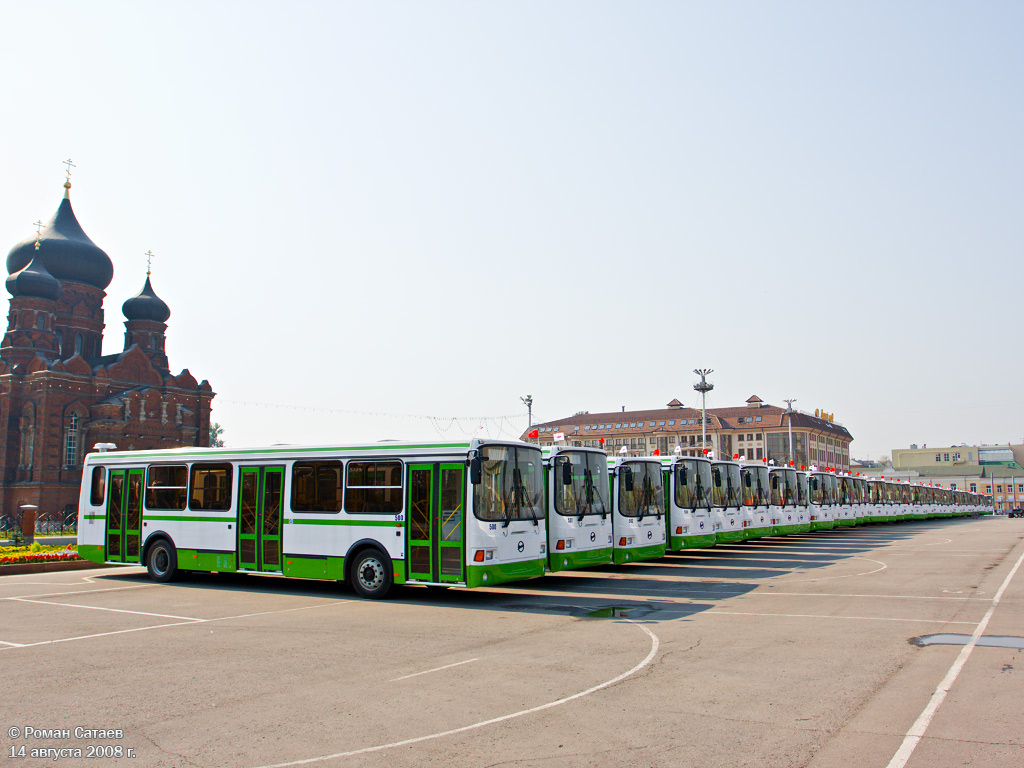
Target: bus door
260, 499
124, 515
436, 520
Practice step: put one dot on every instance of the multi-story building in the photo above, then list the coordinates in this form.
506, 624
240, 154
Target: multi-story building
59, 394
755, 431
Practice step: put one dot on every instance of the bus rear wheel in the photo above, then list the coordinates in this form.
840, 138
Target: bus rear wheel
371, 574
161, 561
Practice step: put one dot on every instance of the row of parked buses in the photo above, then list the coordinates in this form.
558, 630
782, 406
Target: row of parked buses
455, 514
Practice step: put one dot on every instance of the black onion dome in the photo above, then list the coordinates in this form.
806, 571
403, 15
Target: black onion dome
66, 250
34, 280
146, 306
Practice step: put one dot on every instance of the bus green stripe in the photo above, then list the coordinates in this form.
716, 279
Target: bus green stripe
291, 449
188, 518
329, 521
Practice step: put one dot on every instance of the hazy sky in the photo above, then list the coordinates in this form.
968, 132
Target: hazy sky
434, 208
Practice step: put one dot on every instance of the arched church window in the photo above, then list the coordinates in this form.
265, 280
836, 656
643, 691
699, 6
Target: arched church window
79, 341
40, 323
71, 441
27, 428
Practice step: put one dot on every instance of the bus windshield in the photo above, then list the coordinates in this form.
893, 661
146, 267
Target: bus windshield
693, 484
647, 495
511, 486
779, 485
756, 493
588, 492
725, 490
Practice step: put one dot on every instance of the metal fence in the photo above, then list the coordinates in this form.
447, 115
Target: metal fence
63, 522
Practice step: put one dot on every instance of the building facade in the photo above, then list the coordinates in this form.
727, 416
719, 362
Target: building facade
754, 431
59, 394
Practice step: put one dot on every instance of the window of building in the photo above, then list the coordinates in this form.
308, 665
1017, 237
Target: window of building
79, 341
210, 486
956, 457
988, 489
71, 442
1020, 489
750, 437
672, 422
999, 489
40, 323
945, 457
166, 486
27, 427
974, 487
374, 487
757, 418
661, 423
938, 457
760, 453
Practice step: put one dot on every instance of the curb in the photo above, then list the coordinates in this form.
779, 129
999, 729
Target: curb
66, 565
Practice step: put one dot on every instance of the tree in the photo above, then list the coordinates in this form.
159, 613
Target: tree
216, 430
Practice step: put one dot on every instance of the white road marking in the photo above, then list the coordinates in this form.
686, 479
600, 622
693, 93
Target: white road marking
282, 610
851, 575
188, 622
917, 730
104, 634
601, 686
98, 608
822, 616
435, 669
81, 591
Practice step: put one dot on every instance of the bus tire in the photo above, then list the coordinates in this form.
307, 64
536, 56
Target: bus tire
371, 574
162, 561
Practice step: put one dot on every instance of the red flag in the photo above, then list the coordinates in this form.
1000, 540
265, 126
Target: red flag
657, 452
535, 433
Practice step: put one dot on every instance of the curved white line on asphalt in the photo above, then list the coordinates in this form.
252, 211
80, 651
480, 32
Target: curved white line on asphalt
917, 730
851, 575
647, 660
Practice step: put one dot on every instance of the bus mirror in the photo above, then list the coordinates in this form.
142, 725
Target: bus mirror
775, 482
566, 473
746, 481
627, 478
475, 470
718, 478
682, 476
814, 484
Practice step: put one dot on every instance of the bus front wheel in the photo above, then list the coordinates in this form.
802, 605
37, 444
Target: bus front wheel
371, 573
162, 561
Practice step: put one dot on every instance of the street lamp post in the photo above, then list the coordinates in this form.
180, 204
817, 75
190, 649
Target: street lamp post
529, 410
789, 411
703, 387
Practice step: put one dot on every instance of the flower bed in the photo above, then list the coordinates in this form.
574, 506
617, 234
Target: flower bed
37, 554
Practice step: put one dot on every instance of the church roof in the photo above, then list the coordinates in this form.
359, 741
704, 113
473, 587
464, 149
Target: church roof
65, 250
146, 305
34, 280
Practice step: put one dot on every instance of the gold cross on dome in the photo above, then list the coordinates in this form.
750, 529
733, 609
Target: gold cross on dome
39, 231
70, 165
149, 262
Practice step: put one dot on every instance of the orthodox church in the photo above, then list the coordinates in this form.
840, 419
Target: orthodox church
59, 394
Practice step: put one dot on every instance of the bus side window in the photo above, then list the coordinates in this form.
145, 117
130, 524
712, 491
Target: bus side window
99, 486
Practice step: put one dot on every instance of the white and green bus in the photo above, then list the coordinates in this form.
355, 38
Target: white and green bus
638, 504
691, 522
446, 514
579, 508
